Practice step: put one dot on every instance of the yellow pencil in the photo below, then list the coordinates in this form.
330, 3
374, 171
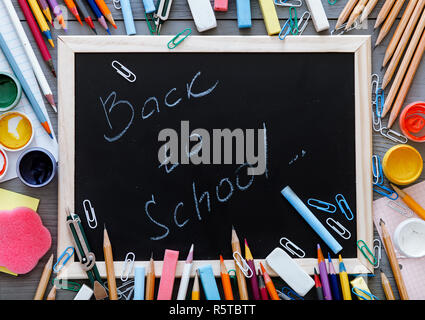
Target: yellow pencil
44, 27
412, 204
195, 290
343, 278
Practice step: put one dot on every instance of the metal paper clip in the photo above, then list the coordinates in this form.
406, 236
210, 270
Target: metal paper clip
385, 191
303, 22
339, 228
292, 248
246, 270
293, 18
282, 296
123, 71
393, 135
377, 248
183, 35
117, 4
362, 245
355, 26
128, 266
66, 285
291, 294
378, 175
340, 200
90, 214
321, 205
375, 86
285, 30
105, 285
64, 257
126, 287
400, 208
288, 3
369, 295
376, 122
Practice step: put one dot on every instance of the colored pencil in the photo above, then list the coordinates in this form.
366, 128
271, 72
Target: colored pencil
262, 287
318, 285
73, 8
184, 281
195, 290
38, 37
106, 12
57, 12
333, 280
323, 274
236, 248
52, 294
45, 276
410, 202
109, 263
384, 12
38, 72
343, 278
389, 294
368, 9
253, 280
386, 27
269, 284
41, 21
404, 27
356, 13
98, 15
389, 248
150, 280
225, 281
85, 14
345, 13
46, 10
25, 86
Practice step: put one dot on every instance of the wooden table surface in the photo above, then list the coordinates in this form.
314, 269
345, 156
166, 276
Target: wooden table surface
24, 286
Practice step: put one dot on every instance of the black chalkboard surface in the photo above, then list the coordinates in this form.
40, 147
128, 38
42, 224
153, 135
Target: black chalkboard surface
304, 101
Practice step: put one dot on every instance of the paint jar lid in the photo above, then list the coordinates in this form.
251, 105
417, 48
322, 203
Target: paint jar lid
10, 91
4, 163
409, 238
16, 131
402, 164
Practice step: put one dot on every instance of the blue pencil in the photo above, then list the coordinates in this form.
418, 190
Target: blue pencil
26, 88
98, 14
333, 279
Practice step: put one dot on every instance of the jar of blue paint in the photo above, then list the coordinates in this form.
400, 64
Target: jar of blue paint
36, 167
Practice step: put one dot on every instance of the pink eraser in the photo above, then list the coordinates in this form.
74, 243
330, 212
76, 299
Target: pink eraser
220, 5
166, 283
23, 239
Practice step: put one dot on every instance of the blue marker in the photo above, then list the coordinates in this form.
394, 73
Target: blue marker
208, 282
149, 6
243, 9
139, 283
311, 219
128, 17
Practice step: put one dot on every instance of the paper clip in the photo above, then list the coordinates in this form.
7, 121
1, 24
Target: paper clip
291, 294
292, 248
340, 200
150, 20
64, 257
378, 175
377, 248
128, 266
393, 135
321, 205
369, 295
400, 208
362, 245
126, 287
385, 191
66, 285
282, 296
117, 4
232, 276
355, 26
184, 34
246, 270
285, 30
379, 102
332, 2
288, 3
338, 228
375, 86
293, 18
123, 71
304, 21
90, 214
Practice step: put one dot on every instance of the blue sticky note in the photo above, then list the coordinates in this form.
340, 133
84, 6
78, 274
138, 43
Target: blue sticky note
243, 9
149, 6
139, 283
208, 282
128, 17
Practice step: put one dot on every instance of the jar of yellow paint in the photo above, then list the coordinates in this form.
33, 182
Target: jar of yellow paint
402, 164
16, 131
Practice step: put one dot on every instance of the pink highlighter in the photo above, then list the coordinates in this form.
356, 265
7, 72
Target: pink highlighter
220, 5
166, 283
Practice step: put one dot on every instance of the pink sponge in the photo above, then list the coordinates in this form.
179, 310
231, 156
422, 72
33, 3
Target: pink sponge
23, 239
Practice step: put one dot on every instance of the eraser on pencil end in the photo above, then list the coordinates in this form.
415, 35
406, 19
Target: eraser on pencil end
166, 283
318, 15
203, 14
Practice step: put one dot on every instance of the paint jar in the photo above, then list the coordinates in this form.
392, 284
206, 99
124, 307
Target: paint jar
10, 91
4, 163
402, 164
36, 167
409, 238
16, 131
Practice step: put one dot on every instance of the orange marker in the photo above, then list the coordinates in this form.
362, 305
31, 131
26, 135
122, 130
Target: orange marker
269, 284
106, 12
225, 280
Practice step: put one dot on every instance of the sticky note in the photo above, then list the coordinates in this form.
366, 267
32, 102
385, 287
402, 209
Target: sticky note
203, 14
221, 5
208, 282
318, 15
270, 17
139, 283
243, 9
149, 6
128, 17
166, 283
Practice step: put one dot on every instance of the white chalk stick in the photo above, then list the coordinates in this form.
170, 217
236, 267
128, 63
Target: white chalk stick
318, 15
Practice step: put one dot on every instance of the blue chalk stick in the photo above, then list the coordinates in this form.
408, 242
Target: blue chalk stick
139, 283
243, 9
208, 282
311, 219
128, 17
149, 6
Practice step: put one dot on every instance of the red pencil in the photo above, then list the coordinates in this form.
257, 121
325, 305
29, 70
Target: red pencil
262, 286
37, 35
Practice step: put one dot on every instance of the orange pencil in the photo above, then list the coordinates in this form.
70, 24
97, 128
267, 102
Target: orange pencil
412, 204
225, 280
106, 12
269, 284
73, 8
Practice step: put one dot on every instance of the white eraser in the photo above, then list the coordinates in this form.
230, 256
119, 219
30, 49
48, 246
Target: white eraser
290, 271
203, 14
318, 15
84, 293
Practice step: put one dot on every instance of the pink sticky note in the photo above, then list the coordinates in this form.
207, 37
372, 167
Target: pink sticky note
166, 283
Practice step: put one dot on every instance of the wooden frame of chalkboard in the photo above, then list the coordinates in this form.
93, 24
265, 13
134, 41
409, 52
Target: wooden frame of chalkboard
360, 46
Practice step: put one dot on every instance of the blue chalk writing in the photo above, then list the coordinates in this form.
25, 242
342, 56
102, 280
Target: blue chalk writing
245, 187
170, 105
153, 110
201, 94
230, 191
154, 221
205, 194
180, 204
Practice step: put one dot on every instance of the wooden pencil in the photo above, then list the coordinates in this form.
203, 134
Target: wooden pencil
52, 294
401, 30
389, 294
388, 244
356, 13
109, 263
243, 291
195, 289
384, 12
150, 280
345, 13
386, 27
368, 9
44, 280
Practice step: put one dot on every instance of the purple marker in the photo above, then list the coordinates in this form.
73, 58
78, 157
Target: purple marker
323, 274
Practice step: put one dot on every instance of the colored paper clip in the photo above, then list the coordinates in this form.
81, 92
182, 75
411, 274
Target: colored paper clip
182, 35
303, 22
378, 175
128, 266
246, 270
66, 285
338, 228
288, 3
355, 26
400, 208
293, 18
377, 248
321, 205
123, 71
285, 30
375, 86
379, 102
117, 4
63, 259
367, 294
340, 200
150, 20
393, 135
90, 214
362, 245
291, 294
385, 191
292, 248
332, 2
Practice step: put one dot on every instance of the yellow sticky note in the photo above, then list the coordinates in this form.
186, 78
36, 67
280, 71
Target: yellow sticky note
270, 17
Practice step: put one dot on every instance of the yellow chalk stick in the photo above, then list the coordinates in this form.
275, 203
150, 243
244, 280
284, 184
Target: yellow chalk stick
270, 17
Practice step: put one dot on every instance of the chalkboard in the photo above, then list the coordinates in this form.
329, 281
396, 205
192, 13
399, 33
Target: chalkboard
301, 107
